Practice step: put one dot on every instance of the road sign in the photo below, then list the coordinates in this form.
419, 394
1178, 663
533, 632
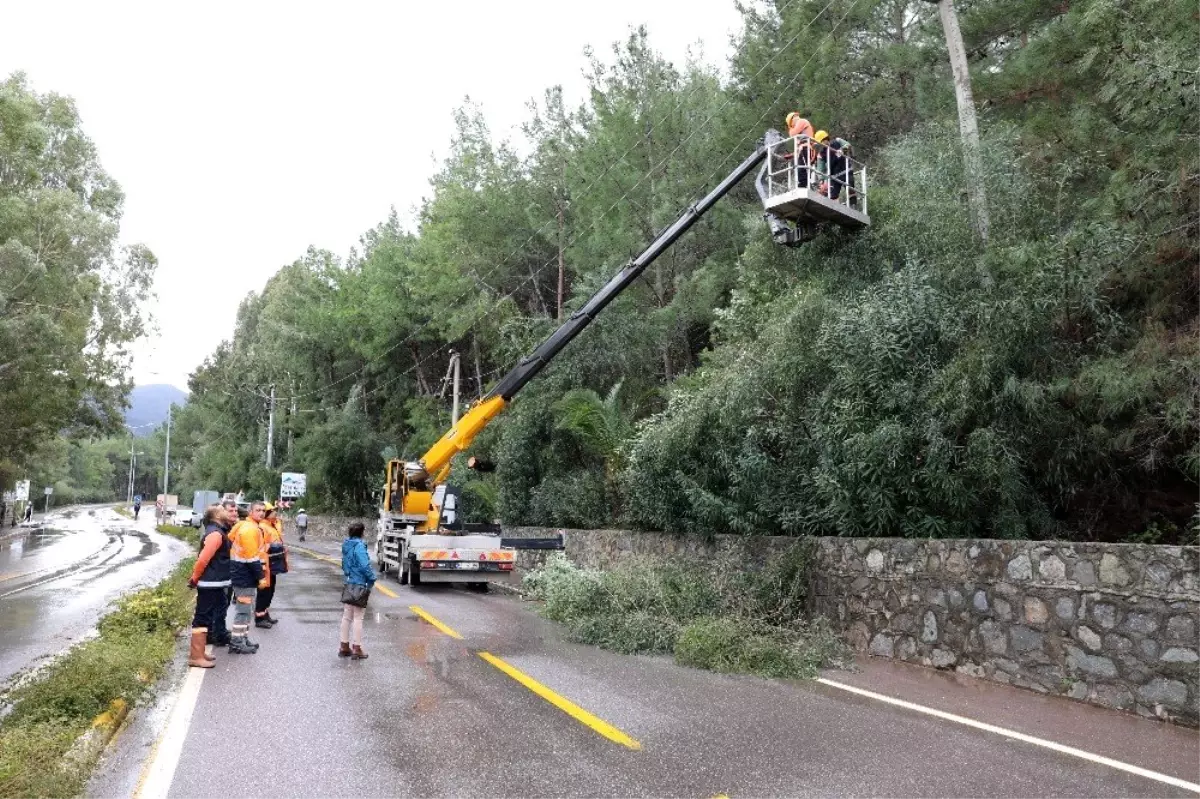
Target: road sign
48, 490
22, 490
294, 485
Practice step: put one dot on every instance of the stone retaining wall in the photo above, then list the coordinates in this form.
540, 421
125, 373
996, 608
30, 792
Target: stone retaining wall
328, 528
1113, 624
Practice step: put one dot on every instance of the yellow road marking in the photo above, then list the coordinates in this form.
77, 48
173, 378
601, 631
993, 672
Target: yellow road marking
441, 627
383, 589
562, 703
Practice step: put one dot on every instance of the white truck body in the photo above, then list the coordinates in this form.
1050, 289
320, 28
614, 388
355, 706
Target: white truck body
443, 557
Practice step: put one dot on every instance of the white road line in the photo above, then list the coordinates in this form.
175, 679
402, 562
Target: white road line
1019, 736
159, 772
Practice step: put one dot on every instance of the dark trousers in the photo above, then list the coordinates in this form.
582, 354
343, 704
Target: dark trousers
209, 603
841, 173
219, 631
265, 595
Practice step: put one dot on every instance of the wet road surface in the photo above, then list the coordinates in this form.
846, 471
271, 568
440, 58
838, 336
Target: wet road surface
427, 715
58, 579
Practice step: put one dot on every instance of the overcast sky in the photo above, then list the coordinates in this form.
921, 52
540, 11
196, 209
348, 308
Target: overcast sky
244, 132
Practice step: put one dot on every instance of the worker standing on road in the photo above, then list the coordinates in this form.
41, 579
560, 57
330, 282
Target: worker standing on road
302, 523
272, 527
210, 578
218, 634
247, 571
360, 579
137, 506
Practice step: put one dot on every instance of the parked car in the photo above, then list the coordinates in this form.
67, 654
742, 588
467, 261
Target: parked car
185, 518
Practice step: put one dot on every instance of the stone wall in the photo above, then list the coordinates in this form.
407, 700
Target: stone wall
329, 528
1113, 624
604, 549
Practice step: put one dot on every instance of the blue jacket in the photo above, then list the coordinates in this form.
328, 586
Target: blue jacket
356, 564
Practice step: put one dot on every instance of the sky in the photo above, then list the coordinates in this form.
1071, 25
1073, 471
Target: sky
242, 133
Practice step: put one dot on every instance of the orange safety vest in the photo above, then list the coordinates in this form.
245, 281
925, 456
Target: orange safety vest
800, 127
273, 534
249, 546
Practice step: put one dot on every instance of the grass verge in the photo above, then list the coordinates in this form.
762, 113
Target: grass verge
189, 534
123, 511
719, 619
135, 643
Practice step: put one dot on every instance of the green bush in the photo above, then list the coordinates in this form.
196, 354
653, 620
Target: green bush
49, 713
748, 622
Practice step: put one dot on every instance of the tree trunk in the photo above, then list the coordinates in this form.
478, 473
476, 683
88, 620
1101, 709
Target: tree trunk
478, 371
423, 388
561, 265
968, 126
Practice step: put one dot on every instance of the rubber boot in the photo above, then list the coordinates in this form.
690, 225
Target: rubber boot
263, 622
271, 618
357, 653
219, 639
240, 645
344, 650
196, 656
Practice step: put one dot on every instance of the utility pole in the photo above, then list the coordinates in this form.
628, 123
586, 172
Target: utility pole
271, 430
455, 360
291, 425
967, 124
131, 447
167, 461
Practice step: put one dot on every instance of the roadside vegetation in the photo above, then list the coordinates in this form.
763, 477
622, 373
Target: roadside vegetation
48, 714
721, 619
187, 534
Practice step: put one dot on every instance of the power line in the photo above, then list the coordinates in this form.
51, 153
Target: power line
595, 222
508, 259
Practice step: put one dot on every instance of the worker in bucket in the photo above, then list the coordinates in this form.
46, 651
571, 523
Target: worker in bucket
835, 167
247, 571
799, 126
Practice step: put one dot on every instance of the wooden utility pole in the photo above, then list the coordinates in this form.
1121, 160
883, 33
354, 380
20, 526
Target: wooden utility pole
271, 430
967, 124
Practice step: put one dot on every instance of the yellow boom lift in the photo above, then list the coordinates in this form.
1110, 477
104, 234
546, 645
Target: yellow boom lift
421, 534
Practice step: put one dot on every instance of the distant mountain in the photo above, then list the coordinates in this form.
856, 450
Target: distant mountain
148, 406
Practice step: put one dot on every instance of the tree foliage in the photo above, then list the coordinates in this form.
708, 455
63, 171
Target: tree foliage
905, 380
69, 296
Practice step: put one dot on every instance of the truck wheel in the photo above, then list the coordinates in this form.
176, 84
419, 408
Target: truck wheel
403, 573
414, 573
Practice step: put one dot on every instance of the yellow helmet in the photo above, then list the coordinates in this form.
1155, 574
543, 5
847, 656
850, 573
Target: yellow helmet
821, 136
788, 119
268, 507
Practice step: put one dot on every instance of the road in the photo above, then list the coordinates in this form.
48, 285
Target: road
58, 579
486, 714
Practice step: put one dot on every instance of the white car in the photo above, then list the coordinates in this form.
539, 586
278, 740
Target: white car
184, 517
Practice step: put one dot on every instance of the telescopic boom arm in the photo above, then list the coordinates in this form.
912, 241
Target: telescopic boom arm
437, 460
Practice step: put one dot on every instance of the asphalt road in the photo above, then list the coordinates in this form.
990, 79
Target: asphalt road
58, 578
428, 715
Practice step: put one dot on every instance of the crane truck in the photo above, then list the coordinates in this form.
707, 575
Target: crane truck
421, 534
